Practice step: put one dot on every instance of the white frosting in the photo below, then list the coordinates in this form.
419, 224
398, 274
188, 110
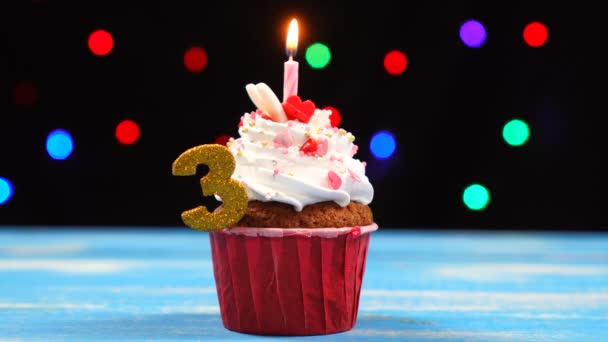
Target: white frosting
271, 166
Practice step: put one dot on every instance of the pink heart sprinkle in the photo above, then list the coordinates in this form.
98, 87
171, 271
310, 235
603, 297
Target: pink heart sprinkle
354, 149
354, 175
322, 146
335, 182
283, 139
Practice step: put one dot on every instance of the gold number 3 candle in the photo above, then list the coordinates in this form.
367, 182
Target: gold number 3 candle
221, 165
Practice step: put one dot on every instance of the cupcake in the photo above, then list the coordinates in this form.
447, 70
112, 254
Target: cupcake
293, 264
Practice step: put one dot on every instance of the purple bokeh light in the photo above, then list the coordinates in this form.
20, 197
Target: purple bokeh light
473, 34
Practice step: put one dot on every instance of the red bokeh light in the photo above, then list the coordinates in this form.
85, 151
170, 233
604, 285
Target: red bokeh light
536, 34
335, 116
395, 62
222, 139
101, 42
195, 59
25, 94
127, 132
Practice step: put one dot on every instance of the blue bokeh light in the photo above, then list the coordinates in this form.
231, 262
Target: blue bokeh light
6, 190
473, 34
382, 145
59, 144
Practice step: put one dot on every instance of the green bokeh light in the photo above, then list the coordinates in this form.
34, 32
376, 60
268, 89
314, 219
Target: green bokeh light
318, 55
476, 197
516, 132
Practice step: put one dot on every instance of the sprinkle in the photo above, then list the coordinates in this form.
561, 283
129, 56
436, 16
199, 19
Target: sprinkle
334, 158
283, 139
264, 143
334, 180
262, 133
354, 149
335, 129
251, 123
329, 134
350, 137
354, 175
239, 153
364, 164
341, 131
323, 146
290, 173
310, 146
306, 134
245, 130
275, 172
319, 130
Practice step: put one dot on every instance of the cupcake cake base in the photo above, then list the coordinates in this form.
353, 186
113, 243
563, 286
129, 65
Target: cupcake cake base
297, 281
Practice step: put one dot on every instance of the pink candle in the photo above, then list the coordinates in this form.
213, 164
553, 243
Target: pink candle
290, 75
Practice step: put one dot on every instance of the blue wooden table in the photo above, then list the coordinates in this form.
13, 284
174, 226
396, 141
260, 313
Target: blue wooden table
94, 284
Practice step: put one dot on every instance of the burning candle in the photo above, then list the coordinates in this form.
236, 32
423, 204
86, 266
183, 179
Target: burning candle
290, 76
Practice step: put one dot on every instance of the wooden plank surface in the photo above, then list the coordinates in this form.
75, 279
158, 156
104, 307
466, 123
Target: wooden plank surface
152, 285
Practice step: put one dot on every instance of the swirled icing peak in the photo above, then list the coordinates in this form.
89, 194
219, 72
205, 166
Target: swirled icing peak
295, 156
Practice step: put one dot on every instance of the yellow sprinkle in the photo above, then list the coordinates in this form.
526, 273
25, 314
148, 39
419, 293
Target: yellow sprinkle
319, 130
351, 138
306, 134
245, 130
341, 131
328, 134
264, 143
290, 173
262, 133
239, 153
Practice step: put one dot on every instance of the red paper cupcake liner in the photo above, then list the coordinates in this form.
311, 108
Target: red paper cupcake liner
274, 281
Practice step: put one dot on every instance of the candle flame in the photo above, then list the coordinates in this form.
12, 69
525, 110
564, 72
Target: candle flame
292, 38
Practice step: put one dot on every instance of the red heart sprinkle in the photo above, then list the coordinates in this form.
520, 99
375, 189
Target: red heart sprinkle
334, 180
295, 109
309, 147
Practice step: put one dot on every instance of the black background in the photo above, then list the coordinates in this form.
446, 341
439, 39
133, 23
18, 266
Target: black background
447, 109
